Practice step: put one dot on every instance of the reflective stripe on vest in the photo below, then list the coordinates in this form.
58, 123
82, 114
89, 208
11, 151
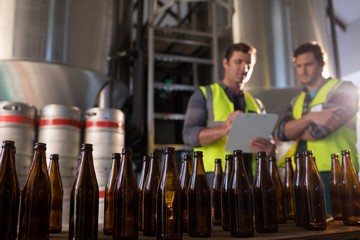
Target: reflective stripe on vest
219, 106
341, 139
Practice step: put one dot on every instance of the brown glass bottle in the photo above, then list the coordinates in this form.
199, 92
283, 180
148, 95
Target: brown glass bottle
264, 197
199, 200
216, 193
9, 192
126, 200
225, 189
334, 187
185, 175
279, 190
240, 200
149, 196
289, 189
298, 181
109, 194
57, 193
36, 198
350, 191
84, 198
168, 210
313, 195
143, 174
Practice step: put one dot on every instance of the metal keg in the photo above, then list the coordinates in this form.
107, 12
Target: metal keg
60, 129
104, 129
17, 123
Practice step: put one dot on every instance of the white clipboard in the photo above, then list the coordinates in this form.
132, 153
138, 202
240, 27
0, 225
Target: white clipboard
246, 127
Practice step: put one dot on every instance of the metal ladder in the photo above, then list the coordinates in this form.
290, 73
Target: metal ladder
178, 59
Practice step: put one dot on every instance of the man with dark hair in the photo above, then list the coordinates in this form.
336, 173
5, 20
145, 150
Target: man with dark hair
322, 118
211, 109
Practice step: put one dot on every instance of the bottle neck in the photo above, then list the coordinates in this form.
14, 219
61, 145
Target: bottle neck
218, 169
199, 166
346, 162
40, 159
262, 167
228, 166
169, 163
154, 165
8, 159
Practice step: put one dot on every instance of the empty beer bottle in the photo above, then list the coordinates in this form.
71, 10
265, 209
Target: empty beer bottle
36, 198
298, 182
350, 191
144, 172
289, 189
185, 175
264, 197
84, 198
126, 200
279, 191
199, 200
149, 196
168, 210
225, 189
313, 195
109, 193
334, 187
216, 194
240, 195
57, 193
9, 192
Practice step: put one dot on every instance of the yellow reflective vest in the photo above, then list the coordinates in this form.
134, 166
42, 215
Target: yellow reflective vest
343, 138
219, 107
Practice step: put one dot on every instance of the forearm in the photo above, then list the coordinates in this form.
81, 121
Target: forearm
296, 129
208, 136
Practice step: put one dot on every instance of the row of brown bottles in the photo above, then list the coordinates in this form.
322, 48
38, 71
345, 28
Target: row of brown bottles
41, 198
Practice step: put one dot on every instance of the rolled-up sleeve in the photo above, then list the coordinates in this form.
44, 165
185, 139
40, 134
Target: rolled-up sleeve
280, 129
195, 119
345, 98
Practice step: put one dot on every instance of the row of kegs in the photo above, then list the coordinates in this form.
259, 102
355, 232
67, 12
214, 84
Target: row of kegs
63, 128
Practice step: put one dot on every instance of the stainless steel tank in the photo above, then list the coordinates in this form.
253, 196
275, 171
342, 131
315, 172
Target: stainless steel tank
57, 52
276, 28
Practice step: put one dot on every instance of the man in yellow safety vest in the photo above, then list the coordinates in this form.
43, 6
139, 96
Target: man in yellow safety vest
322, 118
212, 108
